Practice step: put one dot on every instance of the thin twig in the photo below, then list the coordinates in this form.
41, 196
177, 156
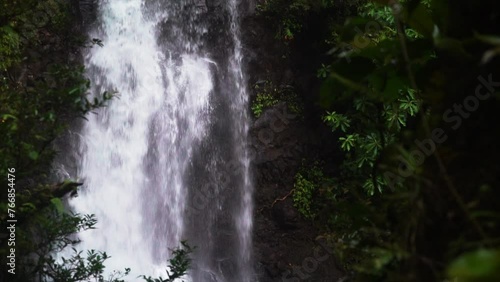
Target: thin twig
284, 198
278, 200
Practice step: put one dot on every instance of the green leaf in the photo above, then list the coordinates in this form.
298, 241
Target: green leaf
485, 214
448, 43
393, 87
58, 204
33, 155
73, 90
356, 69
336, 121
482, 265
490, 54
7, 116
28, 207
453, 46
377, 82
330, 88
386, 48
382, 2
382, 257
348, 142
349, 83
488, 39
420, 19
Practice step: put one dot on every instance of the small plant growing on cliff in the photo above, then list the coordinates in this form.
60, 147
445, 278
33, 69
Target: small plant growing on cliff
9, 47
263, 101
178, 264
268, 95
302, 197
307, 185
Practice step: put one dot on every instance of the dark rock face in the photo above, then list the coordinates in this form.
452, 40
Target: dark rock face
285, 243
287, 247
213, 3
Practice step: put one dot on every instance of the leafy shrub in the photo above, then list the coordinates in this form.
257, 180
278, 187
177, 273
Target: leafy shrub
395, 71
9, 47
303, 195
263, 101
269, 95
178, 264
308, 183
384, 93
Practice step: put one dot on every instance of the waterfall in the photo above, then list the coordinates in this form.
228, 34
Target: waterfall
244, 217
167, 159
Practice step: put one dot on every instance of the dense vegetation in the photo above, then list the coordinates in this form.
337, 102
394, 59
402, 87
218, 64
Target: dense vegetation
411, 88
42, 90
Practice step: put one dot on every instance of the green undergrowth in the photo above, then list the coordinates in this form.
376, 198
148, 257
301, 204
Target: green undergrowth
268, 95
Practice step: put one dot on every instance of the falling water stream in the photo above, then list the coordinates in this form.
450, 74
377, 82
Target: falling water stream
167, 159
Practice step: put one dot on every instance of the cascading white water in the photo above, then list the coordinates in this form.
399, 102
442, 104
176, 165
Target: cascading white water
244, 217
137, 154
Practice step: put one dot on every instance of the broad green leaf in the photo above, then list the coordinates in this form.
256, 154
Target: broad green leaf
330, 89
393, 87
348, 142
382, 2
57, 203
485, 214
482, 265
354, 27
349, 83
29, 206
74, 90
420, 19
488, 39
357, 69
7, 116
451, 45
448, 43
33, 155
490, 54
440, 13
377, 82
382, 257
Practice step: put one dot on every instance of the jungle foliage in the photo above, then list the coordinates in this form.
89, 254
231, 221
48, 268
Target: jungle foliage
411, 90
268, 95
